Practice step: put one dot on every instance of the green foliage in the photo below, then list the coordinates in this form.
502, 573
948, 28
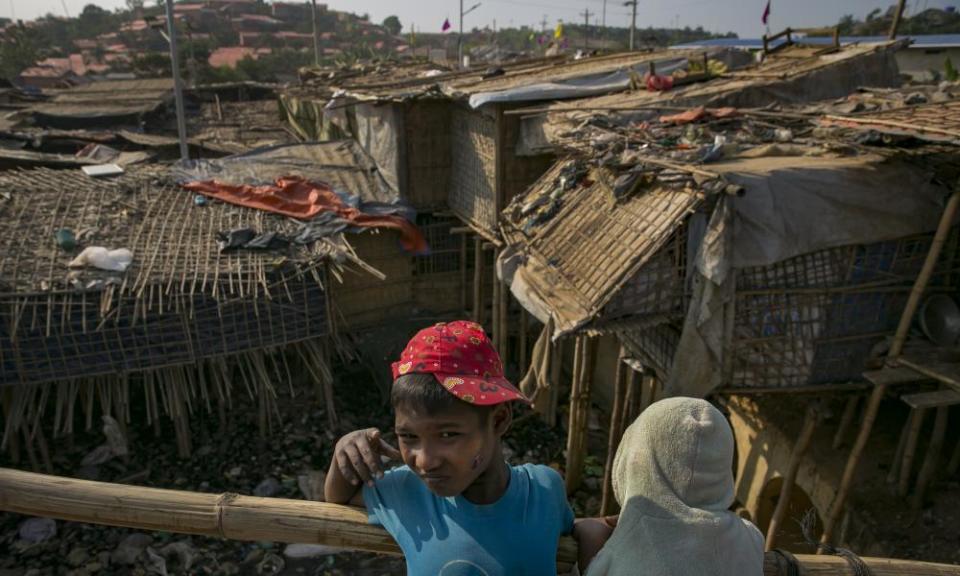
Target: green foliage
949, 71
19, 49
393, 25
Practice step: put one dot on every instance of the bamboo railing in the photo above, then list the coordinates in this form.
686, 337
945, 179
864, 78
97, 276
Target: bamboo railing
250, 518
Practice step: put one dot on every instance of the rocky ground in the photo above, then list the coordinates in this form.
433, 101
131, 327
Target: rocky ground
288, 464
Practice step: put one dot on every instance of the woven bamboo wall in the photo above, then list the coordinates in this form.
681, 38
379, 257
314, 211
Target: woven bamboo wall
815, 319
473, 180
426, 140
364, 300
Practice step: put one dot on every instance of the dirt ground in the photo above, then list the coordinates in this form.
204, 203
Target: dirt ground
240, 462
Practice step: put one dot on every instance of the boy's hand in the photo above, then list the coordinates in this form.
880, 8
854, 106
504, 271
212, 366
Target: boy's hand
357, 456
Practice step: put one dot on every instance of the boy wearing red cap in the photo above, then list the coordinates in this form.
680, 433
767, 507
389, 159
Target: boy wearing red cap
455, 507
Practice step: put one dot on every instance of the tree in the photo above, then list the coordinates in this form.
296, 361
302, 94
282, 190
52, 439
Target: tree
845, 25
393, 25
134, 6
18, 50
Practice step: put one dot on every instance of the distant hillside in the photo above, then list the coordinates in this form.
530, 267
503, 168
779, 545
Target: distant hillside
878, 22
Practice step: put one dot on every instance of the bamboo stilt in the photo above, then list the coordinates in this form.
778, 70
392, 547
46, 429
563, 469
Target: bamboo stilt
849, 411
28, 446
789, 479
894, 472
478, 280
615, 433
579, 413
495, 309
910, 450
954, 460
504, 322
556, 365
523, 340
929, 468
252, 519
630, 397
840, 500
463, 274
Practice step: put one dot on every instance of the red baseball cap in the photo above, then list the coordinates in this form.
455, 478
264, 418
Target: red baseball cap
462, 359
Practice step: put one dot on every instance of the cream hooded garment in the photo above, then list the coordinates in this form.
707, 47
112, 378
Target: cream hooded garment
673, 478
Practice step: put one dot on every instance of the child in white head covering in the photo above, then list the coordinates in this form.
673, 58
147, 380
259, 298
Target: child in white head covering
673, 478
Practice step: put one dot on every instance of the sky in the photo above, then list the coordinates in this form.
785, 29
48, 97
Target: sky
740, 16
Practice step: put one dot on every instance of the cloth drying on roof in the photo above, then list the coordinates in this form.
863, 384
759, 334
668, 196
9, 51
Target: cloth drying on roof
674, 480
303, 199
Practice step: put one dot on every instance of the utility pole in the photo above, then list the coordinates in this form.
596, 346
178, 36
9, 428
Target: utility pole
586, 27
543, 24
316, 33
177, 87
896, 19
460, 38
633, 20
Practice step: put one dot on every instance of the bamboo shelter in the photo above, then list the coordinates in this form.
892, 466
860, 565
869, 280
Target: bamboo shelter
185, 326
726, 269
238, 517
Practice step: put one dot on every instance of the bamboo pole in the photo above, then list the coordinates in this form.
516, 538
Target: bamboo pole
495, 307
463, 273
849, 411
615, 433
954, 460
910, 449
478, 280
573, 416
932, 458
894, 472
249, 518
503, 312
920, 285
789, 479
556, 365
846, 481
523, 340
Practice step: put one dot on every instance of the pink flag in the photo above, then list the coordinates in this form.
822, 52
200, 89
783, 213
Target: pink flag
446, 24
766, 13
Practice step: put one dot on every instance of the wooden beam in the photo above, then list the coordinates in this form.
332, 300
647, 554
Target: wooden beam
896, 19
789, 479
478, 280
846, 481
931, 459
910, 449
249, 518
614, 433
849, 411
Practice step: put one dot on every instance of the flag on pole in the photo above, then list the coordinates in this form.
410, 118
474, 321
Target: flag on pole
558, 31
766, 13
446, 25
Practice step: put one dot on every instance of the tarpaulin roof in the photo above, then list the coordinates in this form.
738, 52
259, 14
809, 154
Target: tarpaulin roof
792, 75
99, 103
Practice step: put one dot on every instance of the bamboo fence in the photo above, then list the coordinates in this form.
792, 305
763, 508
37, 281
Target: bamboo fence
249, 518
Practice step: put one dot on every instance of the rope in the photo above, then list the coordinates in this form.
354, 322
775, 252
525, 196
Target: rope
856, 563
786, 563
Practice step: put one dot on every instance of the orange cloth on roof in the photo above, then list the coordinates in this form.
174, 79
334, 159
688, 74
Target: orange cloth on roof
302, 199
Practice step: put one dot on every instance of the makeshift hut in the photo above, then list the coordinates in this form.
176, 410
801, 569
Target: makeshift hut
104, 104
792, 74
202, 300
736, 253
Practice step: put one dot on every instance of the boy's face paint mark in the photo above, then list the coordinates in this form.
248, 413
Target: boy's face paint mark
438, 447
